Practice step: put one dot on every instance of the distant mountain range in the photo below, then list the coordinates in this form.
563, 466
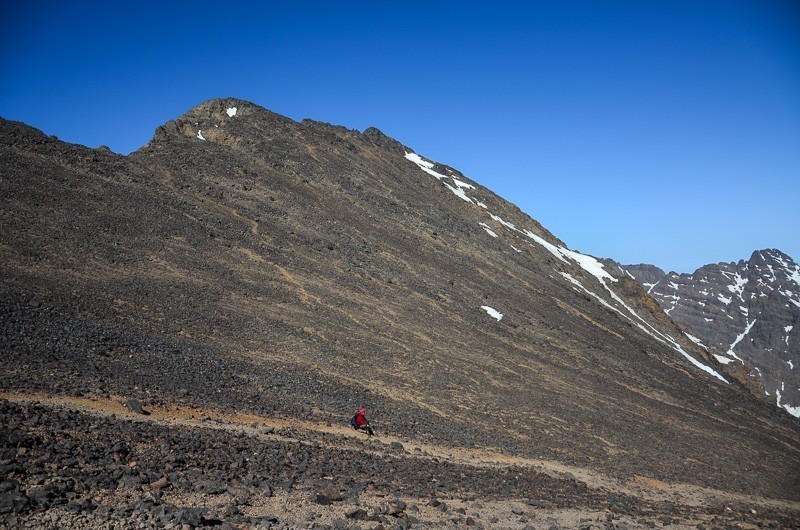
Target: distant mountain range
745, 314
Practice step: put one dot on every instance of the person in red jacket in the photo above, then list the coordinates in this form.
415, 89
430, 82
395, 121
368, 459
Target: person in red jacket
360, 422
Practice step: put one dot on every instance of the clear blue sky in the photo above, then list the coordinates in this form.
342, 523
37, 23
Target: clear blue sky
658, 132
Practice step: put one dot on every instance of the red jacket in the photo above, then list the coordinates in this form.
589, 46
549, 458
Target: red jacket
361, 418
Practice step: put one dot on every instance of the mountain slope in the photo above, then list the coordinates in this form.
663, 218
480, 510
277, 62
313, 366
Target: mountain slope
248, 262
748, 312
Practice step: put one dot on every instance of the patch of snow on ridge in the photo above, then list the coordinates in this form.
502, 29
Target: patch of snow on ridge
503, 222
794, 411
488, 230
421, 162
200, 134
231, 112
426, 166
462, 184
589, 264
494, 313
724, 300
458, 191
723, 360
554, 250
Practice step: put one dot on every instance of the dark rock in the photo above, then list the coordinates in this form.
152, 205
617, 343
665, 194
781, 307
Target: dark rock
13, 502
320, 498
190, 516
43, 496
8, 485
136, 406
356, 513
395, 507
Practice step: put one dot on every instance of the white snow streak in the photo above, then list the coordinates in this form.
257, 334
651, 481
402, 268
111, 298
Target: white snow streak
494, 313
488, 230
426, 166
696, 340
724, 300
739, 338
200, 134
231, 112
503, 222
666, 339
723, 360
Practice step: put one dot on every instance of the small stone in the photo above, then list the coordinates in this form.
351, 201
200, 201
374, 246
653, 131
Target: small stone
136, 406
321, 499
355, 513
158, 484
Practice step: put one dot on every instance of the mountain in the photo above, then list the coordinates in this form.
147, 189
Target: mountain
249, 281
747, 313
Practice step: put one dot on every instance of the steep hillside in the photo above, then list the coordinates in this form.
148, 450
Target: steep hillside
748, 312
250, 264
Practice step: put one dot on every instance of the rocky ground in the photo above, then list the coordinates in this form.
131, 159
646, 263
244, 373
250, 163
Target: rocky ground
71, 462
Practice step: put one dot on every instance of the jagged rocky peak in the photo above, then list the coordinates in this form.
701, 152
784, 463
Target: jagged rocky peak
746, 313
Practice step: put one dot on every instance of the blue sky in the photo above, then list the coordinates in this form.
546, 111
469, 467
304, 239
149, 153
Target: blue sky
657, 132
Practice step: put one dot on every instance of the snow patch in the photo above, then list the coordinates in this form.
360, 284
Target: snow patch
696, 340
488, 230
494, 313
794, 411
462, 184
200, 134
723, 360
738, 286
554, 250
724, 300
421, 162
503, 222
231, 112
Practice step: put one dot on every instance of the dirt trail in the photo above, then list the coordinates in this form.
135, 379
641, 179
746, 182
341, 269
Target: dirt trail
265, 427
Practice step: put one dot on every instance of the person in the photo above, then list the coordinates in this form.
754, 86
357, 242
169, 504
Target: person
360, 422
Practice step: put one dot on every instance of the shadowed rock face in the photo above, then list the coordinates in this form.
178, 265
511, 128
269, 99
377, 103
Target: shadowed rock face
748, 313
243, 261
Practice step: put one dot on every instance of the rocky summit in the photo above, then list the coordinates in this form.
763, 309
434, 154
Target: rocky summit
187, 330
747, 314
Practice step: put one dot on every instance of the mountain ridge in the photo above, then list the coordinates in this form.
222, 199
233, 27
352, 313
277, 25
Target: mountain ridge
298, 269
